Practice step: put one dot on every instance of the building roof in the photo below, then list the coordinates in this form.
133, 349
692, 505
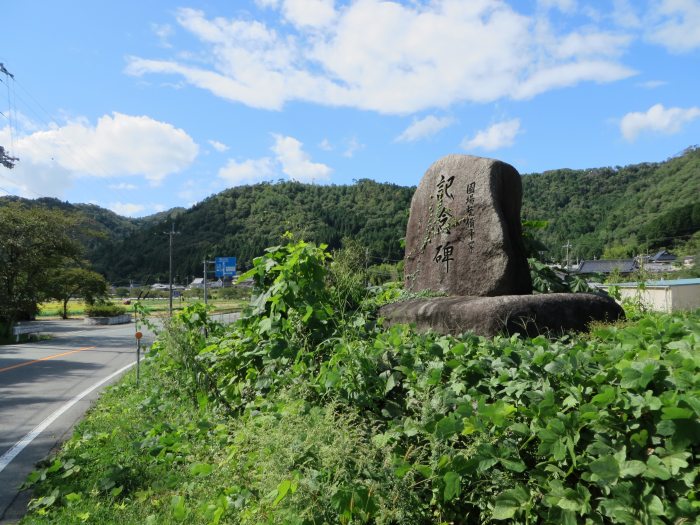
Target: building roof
662, 256
663, 283
607, 266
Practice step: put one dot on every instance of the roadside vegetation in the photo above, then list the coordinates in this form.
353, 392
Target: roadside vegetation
308, 411
156, 306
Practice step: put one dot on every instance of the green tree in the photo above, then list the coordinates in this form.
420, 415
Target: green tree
6, 160
68, 283
33, 242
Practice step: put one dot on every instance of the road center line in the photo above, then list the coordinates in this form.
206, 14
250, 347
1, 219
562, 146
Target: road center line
8, 456
46, 358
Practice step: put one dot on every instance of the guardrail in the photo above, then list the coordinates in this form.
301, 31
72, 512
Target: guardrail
225, 317
21, 329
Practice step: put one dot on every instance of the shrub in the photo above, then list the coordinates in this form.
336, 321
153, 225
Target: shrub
104, 310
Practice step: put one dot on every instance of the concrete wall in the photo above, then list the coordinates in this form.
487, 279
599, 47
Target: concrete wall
666, 298
117, 319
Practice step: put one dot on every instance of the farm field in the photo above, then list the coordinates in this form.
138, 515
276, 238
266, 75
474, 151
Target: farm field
156, 306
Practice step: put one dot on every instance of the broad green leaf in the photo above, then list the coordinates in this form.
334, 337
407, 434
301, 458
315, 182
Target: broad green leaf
509, 502
676, 413
656, 469
605, 397
675, 462
447, 427
390, 383
201, 469
632, 468
655, 506
515, 466
605, 468
452, 486
177, 505
282, 490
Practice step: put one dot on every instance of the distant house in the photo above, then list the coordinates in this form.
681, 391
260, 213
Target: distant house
606, 266
196, 283
199, 283
661, 261
664, 295
663, 256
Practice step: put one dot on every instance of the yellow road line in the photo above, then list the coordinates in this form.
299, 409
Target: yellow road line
46, 358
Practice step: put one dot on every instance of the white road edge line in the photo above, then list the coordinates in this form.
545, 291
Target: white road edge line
11, 454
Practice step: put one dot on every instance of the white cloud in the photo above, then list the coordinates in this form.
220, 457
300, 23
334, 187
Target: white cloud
126, 208
388, 56
657, 119
117, 145
289, 159
497, 136
296, 163
353, 146
325, 145
122, 186
309, 13
247, 171
423, 128
652, 84
163, 32
566, 6
218, 146
677, 23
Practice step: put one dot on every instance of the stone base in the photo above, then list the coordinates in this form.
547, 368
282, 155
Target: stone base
529, 315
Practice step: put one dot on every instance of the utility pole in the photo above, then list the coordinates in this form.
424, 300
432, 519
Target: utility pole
170, 266
204, 263
567, 246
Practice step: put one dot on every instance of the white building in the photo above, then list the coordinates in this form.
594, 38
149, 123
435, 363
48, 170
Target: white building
663, 296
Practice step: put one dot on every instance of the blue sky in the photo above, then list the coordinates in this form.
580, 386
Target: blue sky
142, 106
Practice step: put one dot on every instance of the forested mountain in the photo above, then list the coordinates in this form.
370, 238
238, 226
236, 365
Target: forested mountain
245, 220
604, 211
616, 212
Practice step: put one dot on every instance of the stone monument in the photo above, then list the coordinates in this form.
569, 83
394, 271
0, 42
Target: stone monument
463, 235
464, 240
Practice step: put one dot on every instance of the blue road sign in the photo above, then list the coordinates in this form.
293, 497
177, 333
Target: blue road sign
225, 266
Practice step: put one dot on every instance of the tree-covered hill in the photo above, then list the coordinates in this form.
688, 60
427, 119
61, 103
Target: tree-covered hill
616, 211
612, 212
243, 221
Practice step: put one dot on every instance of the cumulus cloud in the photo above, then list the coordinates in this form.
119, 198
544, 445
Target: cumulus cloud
296, 163
499, 135
218, 146
424, 128
309, 13
657, 119
117, 145
248, 171
387, 56
289, 158
677, 23
126, 208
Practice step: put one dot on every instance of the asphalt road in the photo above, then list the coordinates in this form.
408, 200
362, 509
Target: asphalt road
46, 387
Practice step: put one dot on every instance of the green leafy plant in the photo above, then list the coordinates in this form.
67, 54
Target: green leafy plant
104, 310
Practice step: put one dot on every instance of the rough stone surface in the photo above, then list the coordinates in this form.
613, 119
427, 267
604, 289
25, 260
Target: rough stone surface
464, 235
488, 316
